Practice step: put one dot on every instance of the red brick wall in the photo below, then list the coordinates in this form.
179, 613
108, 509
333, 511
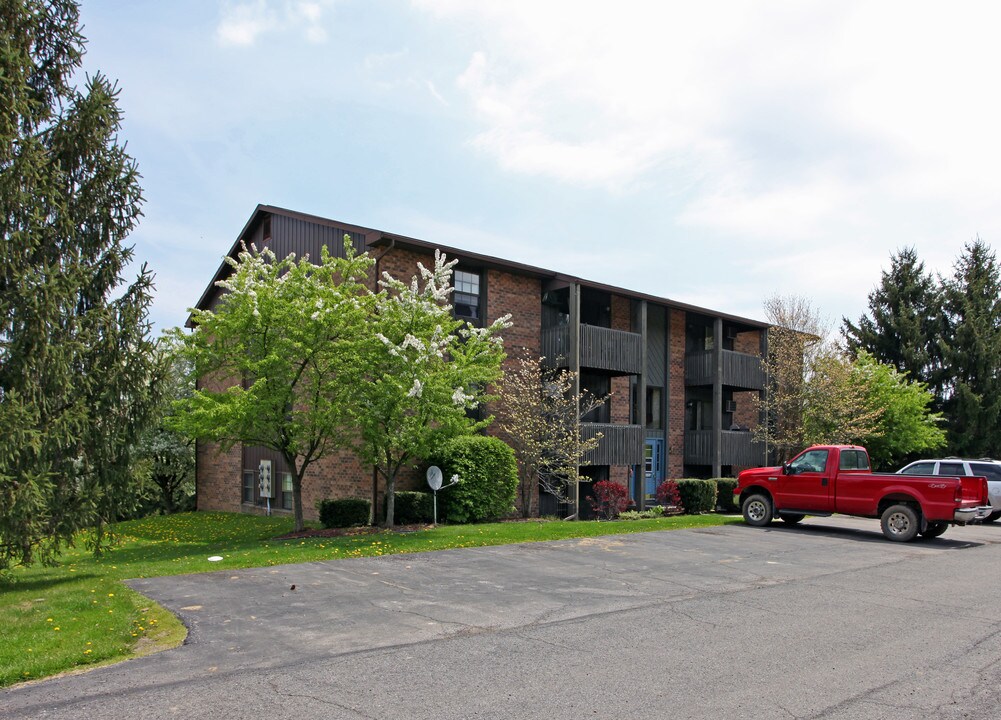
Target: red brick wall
676, 395
621, 400
746, 414
219, 478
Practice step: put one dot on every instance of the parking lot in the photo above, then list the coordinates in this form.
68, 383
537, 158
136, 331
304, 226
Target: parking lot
826, 619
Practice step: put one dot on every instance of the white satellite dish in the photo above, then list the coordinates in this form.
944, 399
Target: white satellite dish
434, 477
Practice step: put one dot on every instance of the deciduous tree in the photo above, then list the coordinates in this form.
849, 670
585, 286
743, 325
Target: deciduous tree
539, 417
77, 376
419, 373
285, 341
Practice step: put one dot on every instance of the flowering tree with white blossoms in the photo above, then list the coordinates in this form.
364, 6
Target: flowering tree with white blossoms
539, 416
420, 371
285, 338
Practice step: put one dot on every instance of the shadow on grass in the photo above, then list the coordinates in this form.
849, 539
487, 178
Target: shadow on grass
17, 584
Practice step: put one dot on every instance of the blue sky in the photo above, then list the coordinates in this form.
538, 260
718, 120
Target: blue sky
714, 153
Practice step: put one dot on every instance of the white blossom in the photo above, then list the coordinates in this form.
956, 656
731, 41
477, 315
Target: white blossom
416, 389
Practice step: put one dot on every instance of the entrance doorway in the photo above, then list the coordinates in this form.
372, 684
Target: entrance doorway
653, 466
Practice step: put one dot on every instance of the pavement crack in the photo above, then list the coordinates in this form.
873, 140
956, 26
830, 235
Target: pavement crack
325, 701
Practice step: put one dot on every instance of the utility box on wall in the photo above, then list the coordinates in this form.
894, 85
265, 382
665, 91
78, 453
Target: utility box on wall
264, 486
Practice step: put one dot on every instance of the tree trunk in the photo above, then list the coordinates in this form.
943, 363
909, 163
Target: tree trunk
297, 475
390, 499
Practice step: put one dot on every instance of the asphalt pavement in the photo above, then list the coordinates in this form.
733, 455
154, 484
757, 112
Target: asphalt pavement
822, 620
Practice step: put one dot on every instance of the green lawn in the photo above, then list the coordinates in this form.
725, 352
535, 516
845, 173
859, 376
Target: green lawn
78, 613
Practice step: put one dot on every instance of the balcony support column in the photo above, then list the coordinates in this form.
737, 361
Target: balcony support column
639, 471
718, 397
575, 367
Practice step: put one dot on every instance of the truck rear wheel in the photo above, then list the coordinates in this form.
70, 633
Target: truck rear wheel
992, 517
900, 523
757, 510
935, 529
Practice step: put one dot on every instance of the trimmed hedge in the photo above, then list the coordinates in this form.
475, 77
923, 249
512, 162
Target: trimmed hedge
413, 507
488, 479
725, 499
697, 496
344, 512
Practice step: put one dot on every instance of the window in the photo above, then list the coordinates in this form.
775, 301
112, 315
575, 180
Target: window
467, 295
598, 386
287, 491
951, 468
988, 470
923, 468
248, 486
653, 411
854, 460
811, 461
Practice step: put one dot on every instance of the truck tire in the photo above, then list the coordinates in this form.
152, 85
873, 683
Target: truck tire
900, 523
790, 518
992, 517
757, 510
935, 529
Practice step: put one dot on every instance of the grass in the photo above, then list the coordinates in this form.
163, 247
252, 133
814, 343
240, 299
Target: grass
78, 613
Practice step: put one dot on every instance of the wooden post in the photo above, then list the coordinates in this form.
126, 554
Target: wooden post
717, 397
574, 333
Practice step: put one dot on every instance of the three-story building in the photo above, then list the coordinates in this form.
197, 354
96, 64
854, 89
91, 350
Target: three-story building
682, 378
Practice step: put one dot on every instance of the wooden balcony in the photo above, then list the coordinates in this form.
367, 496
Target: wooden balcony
614, 351
740, 370
619, 444
738, 448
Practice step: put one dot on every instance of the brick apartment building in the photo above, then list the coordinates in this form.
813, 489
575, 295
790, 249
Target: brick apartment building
681, 377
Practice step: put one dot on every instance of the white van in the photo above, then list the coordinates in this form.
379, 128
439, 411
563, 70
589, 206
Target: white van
953, 467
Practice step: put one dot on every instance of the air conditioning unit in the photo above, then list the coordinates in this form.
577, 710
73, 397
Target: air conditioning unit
730, 406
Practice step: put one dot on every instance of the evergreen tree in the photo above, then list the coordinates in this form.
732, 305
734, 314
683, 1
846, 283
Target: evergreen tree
76, 365
904, 322
971, 349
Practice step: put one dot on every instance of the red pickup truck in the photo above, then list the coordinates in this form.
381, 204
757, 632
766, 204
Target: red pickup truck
827, 479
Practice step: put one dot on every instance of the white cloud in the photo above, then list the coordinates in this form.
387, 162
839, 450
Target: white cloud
831, 122
242, 23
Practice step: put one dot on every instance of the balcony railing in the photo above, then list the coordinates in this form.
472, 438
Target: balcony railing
740, 370
615, 351
619, 444
738, 448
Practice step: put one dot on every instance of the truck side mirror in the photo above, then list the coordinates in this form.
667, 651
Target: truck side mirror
786, 469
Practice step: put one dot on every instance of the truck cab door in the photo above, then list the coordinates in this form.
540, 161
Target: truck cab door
806, 482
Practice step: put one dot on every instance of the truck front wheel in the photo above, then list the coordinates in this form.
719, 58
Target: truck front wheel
900, 523
757, 510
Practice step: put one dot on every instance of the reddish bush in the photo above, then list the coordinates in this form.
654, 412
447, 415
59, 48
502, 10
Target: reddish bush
609, 499
669, 495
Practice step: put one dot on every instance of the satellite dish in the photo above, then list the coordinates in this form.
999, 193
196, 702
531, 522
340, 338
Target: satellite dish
434, 477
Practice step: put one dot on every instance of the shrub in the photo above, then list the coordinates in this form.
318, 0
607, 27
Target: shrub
652, 512
725, 500
610, 499
698, 496
344, 512
411, 507
488, 479
669, 495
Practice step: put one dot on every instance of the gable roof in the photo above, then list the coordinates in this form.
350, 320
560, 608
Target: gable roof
379, 239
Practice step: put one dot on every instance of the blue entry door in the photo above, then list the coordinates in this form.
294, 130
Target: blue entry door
653, 466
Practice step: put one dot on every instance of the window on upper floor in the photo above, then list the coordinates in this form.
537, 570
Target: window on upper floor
467, 297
